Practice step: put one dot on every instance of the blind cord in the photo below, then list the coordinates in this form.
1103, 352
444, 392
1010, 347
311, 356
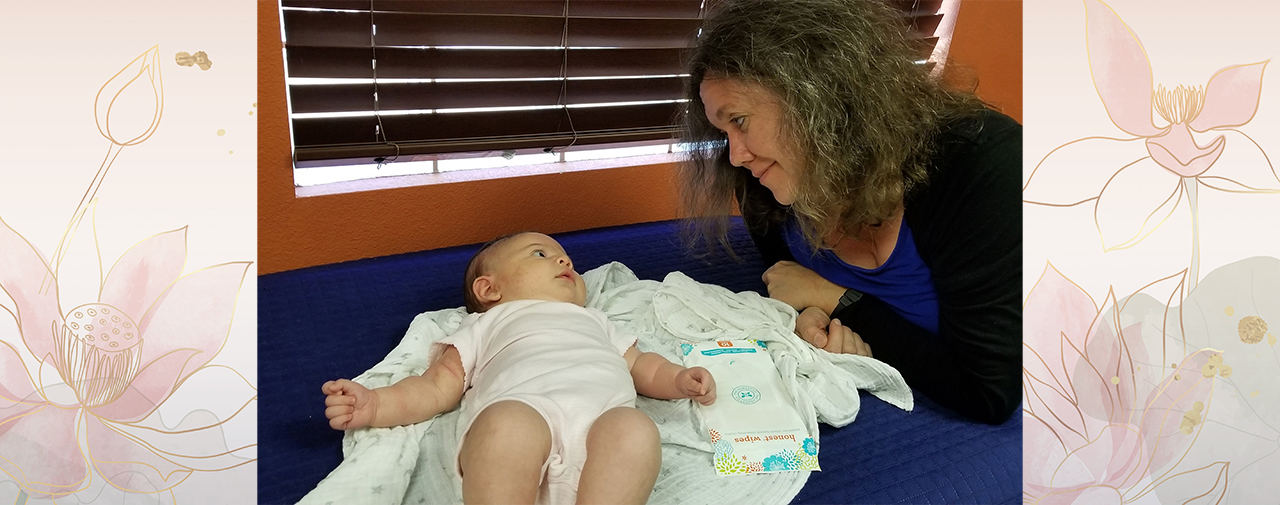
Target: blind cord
564, 76
377, 112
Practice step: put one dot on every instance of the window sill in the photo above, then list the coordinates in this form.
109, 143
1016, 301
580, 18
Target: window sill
480, 174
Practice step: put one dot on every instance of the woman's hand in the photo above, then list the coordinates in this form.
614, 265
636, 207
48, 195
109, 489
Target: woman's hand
793, 284
815, 327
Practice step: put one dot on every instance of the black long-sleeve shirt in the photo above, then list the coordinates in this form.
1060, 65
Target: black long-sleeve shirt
967, 225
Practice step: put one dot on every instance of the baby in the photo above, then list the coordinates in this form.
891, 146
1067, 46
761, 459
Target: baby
549, 411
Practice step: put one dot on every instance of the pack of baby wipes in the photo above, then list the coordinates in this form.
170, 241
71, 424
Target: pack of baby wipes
754, 424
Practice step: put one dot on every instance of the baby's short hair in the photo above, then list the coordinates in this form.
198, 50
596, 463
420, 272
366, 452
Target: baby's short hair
476, 268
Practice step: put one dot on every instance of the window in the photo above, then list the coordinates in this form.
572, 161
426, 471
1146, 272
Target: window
388, 87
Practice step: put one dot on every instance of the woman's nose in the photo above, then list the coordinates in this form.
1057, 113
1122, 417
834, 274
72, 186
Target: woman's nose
739, 155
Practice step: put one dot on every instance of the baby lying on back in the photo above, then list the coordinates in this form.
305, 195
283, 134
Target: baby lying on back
548, 414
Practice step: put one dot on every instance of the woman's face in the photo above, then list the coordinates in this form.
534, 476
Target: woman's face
751, 119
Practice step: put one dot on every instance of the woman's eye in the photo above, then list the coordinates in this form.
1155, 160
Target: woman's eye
738, 120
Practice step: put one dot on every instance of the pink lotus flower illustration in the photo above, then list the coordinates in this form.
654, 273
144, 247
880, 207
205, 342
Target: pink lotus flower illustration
119, 357
1135, 184
1099, 427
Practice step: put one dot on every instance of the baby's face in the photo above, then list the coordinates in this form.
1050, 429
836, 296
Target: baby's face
533, 266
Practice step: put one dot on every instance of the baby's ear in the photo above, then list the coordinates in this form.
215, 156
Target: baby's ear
485, 290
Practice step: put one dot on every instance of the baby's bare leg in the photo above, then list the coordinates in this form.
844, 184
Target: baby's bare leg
502, 454
623, 456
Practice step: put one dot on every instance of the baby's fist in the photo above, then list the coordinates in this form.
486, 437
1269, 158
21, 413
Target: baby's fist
697, 384
348, 405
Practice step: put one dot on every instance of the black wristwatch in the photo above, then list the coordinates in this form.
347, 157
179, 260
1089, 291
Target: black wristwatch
850, 297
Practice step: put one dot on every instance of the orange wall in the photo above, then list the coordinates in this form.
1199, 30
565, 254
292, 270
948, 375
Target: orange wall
988, 41
300, 232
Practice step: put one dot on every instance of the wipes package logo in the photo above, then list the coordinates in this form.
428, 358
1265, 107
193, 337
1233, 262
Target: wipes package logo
746, 395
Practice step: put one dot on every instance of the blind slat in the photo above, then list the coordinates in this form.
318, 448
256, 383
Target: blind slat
352, 138
440, 95
633, 33
923, 26
916, 6
586, 8
348, 29
317, 156
349, 130
414, 63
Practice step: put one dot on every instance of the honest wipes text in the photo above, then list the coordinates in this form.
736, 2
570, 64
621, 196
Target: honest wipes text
767, 438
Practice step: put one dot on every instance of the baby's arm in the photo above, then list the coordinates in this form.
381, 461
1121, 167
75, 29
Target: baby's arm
413, 399
656, 377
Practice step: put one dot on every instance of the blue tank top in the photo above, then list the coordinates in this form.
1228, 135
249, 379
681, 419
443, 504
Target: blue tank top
903, 281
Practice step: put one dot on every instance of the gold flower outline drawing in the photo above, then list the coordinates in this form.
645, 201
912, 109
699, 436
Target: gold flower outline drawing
119, 357
1136, 184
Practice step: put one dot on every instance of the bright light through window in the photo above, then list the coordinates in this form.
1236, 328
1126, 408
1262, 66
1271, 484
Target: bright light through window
313, 176
497, 161
618, 152
325, 175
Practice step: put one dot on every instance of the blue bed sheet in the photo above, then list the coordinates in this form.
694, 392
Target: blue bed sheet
320, 323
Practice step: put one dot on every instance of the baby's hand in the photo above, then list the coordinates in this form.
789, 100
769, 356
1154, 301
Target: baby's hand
349, 405
697, 383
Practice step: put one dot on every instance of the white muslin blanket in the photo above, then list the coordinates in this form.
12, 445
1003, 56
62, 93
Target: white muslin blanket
411, 464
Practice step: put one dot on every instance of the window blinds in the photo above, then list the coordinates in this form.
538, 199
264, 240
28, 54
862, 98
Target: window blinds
374, 80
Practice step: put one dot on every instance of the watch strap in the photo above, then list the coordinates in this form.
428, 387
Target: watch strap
850, 297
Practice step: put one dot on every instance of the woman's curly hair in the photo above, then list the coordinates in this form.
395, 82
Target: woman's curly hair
856, 108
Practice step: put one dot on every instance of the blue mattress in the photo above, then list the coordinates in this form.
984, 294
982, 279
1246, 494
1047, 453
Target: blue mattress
331, 321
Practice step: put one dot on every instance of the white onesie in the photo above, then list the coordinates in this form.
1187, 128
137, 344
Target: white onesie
563, 360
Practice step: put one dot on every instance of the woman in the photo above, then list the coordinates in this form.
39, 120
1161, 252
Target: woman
887, 205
